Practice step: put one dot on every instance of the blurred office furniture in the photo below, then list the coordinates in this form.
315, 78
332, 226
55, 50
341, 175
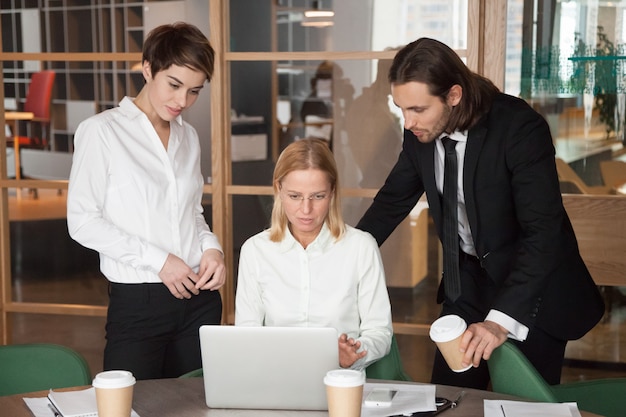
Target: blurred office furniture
38, 102
599, 222
36, 116
513, 374
613, 173
12, 119
41, 366
571, 183
196, 373
46, 165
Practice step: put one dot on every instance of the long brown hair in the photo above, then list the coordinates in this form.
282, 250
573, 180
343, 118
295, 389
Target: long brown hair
433, 63
302, 155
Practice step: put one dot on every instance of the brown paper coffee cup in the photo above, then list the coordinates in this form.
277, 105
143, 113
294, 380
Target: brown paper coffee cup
344, 392
114, 393
447, 332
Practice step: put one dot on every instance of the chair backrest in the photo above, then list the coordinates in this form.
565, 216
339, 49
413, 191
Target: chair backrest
388, 367
613, 172
196, 373
40, 366
567, 173
513, 374
39, 96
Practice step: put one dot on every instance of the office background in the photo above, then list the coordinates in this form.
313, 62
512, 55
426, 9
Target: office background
270, 58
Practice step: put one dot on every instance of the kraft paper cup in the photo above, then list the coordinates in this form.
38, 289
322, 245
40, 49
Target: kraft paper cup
446, 332
344, 391
114, 393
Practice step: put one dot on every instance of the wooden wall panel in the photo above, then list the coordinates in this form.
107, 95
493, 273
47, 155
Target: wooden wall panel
600, 225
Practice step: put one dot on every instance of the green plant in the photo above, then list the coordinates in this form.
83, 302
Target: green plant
604, 86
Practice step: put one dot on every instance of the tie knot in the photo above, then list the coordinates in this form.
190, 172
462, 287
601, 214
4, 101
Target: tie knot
448, 144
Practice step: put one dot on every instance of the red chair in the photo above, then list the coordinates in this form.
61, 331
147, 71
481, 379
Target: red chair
38, 102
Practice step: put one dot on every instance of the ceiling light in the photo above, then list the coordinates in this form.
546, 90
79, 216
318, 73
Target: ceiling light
318, 17
319, 13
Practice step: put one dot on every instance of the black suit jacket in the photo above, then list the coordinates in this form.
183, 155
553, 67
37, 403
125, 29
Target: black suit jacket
520, 229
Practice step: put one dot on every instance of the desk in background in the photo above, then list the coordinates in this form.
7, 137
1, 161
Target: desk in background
585, 155
12, 118
185, 398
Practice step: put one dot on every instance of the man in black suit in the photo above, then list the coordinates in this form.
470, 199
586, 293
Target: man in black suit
521, 274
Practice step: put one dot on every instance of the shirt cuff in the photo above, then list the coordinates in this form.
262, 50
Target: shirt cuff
155, 258
516, 329
211, 243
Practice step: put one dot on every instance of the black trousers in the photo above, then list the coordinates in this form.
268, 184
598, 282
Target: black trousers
153, 334
477, 290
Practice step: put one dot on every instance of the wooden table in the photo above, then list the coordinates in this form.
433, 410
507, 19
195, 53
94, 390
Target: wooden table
185, 398
11, 118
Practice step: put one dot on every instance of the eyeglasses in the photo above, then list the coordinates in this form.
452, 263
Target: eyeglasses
299, 198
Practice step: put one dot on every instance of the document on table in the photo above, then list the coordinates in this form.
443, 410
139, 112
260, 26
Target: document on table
409, 399
502, 408
81, 403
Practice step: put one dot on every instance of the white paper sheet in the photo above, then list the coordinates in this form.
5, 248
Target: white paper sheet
39, 407
408, 399
502, 408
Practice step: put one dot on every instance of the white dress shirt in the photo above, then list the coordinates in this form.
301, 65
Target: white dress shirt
516, 330
134, 201
338, 284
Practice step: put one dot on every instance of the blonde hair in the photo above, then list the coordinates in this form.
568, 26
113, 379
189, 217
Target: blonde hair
302, 155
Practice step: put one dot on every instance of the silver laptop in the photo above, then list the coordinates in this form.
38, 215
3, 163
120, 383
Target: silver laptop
279, 368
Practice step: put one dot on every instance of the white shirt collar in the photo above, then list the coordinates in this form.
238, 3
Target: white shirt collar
130, 110
322, 242
456, 135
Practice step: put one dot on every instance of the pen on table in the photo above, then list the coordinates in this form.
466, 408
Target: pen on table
458, 399
54, 410
502, 408
450, 404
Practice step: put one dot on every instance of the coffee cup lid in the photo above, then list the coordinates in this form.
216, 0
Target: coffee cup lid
344, 378
113, 379
447, 328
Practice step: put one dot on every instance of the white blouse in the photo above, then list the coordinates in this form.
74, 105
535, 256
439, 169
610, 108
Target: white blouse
132, 200
339, 284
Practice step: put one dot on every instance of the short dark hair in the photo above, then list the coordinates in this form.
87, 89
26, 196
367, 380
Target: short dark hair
435, 64
179, 44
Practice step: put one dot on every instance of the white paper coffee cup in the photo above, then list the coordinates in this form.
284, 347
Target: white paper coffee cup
344, 392
446, 332
114, 393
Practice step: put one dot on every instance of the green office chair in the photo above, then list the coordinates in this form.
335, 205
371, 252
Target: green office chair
388, 367
193, 374
40, 366
512, 373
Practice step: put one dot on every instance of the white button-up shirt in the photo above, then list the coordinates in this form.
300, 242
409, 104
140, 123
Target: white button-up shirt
134, 201
338, 284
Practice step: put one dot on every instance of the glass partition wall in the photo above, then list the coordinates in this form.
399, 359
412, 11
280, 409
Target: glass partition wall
566, 58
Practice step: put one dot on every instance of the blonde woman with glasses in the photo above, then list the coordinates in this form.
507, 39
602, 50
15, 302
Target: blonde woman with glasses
310, 269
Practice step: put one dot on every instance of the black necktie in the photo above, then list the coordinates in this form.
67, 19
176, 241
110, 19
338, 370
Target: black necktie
451, 278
